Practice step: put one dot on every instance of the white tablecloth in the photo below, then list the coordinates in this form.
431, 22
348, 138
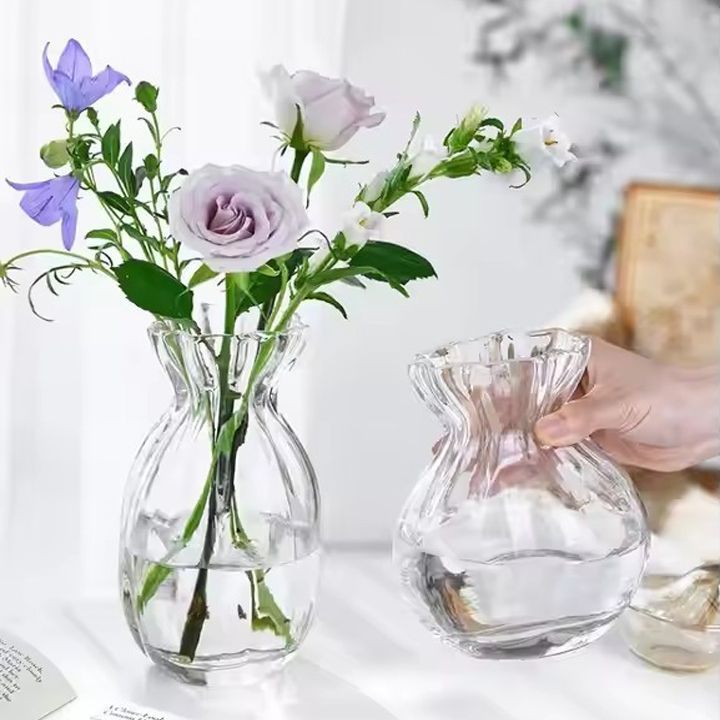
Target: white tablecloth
368, 658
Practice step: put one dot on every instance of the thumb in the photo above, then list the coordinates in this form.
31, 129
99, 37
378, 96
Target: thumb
578, 419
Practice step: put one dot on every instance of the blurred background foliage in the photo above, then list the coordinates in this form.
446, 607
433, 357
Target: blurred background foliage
652, 68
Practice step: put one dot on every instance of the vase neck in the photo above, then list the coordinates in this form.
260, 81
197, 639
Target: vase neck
225, 370
502, 383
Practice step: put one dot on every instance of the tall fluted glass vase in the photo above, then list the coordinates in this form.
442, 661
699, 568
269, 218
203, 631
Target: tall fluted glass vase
220, 546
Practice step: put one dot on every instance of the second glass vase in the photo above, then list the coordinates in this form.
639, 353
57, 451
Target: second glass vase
508, 549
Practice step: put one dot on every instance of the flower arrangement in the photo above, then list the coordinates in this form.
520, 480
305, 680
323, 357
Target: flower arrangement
248, 230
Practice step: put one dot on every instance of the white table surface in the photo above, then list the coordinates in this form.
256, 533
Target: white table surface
368, 658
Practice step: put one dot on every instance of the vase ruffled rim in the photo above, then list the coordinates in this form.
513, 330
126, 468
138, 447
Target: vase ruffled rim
561, 342
294, 329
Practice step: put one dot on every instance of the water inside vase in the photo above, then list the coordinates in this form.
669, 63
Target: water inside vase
257, 614
517, 604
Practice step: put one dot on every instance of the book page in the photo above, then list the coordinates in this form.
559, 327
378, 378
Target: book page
31, 687
129, 711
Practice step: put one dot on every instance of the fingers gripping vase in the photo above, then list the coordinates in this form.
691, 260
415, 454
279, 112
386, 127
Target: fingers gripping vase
508, 549
220, 544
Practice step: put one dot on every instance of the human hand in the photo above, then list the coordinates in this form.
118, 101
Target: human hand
641, 412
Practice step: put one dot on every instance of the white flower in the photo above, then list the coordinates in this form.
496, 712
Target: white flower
332, 109
427, 158
546, 140
361, 224
374, 188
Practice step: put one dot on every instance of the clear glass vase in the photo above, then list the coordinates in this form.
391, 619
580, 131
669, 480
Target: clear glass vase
220, 548
508, 549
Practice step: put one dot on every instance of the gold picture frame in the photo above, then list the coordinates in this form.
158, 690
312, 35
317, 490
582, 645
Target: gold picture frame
668, 272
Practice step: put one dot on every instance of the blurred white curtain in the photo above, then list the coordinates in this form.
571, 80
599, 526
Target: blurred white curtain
79, 394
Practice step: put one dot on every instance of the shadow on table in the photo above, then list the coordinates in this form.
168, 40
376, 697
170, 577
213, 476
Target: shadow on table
303, 691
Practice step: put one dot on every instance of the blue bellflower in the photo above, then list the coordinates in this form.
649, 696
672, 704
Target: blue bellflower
49, 201
73, 80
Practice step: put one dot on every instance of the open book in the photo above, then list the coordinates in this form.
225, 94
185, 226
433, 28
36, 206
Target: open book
32, 687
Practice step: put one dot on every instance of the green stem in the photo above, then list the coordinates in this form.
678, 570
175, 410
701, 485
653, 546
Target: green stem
219, 501
147, 251
90, 181
90, 263
157, 140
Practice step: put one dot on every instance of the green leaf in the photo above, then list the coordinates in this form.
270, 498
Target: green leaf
344, 274
256, 288
153, 289
116, 202
133, 232
516, 127
492, 122
151, 164
330, 276
268, 270
393, 261
102, 234
201, 275
317, 168
423, 201
125, 170
111, 144
167, 179
150, 127
81, 151
146, 94
330, 300
354, 282
266, 614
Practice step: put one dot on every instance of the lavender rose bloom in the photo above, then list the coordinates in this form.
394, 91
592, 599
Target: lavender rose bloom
237, 218
332, 109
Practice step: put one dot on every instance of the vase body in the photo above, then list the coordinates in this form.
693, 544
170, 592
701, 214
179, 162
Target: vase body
508, 549
220, 547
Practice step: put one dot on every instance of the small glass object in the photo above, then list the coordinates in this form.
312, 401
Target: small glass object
674, 620
508, 549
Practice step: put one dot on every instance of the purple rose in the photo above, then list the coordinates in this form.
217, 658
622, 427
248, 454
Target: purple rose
332, 109
237, 218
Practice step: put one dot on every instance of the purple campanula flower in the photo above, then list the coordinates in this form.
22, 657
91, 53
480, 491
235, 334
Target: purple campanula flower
73, 80
48, 201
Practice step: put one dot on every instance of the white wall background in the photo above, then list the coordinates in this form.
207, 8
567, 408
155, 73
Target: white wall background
79, 394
